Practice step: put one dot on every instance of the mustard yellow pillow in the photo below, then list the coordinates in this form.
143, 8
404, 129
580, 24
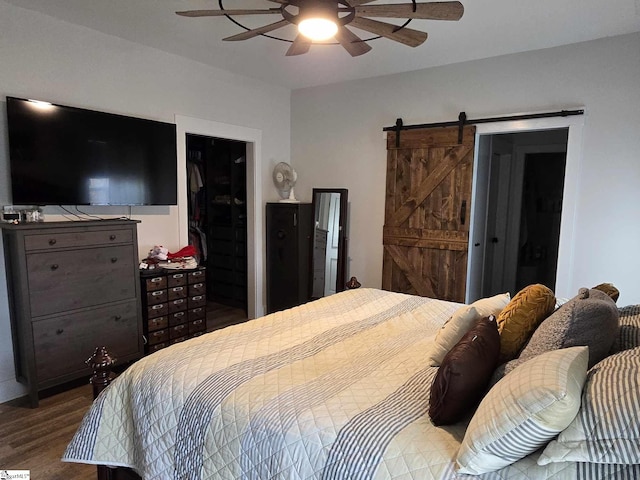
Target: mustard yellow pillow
521, 316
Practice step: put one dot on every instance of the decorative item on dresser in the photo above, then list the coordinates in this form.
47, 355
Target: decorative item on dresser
288, 250
174, 307
71, 285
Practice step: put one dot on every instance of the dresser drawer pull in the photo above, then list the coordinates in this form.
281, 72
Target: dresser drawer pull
52, 241
158, 307
197, 310
157, 293
60, 331
198, 322
114, 259
178, 314
156, 280
179, 301
54, 266
117, 318
158, 333
177, 328
177, 275
197, 298
197, 274
198, 285
112, 237
177, 289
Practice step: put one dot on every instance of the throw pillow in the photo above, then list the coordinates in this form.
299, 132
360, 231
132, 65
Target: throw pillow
609, 289
525, 410
461, 322
589, 319
521, 316
465, 371
607, 427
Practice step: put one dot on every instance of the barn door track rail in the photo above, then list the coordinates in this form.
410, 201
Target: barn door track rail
463, 120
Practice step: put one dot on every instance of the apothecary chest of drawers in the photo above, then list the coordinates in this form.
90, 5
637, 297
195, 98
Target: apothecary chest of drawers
72, 287
174, 307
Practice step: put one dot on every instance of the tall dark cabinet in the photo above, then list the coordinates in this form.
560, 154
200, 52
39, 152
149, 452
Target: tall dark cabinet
217, 178
289, 227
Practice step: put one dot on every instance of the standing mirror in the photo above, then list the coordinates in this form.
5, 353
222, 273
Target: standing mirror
329, 248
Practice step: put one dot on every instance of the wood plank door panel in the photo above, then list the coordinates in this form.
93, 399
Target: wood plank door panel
428, 200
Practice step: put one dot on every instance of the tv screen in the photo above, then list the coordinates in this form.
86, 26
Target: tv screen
63, 155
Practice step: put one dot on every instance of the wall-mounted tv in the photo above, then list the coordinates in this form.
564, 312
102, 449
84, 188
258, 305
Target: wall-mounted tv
60, 155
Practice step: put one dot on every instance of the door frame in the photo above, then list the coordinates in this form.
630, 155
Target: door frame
255, 230
575, 125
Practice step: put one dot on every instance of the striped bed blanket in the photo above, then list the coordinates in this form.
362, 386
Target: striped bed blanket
334, 389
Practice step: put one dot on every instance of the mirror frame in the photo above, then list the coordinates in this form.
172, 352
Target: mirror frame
341, 277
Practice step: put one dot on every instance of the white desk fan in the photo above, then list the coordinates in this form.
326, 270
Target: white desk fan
284, 178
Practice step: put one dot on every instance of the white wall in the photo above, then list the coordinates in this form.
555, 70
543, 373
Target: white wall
41, 57
337, 141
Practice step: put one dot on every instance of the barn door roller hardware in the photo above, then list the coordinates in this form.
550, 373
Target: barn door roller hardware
463, 120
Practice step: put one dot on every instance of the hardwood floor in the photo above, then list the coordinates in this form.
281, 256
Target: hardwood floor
35, 439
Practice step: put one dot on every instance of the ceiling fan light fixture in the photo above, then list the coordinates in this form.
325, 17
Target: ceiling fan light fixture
318, 28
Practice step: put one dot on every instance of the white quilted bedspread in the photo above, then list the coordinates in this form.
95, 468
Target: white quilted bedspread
334, 389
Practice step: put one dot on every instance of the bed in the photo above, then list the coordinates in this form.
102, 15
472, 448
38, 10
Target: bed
334, 389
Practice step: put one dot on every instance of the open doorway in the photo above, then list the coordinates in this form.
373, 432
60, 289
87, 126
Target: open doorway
217, 216
490, 216
525, 177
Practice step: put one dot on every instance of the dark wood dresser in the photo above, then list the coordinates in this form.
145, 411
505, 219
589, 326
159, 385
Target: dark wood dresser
72, 286
174, 307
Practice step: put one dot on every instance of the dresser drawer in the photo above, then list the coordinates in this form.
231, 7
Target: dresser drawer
76, 239
157, 310
176, 279
196, 277
197, 289
177, 305
156, 347
198, 312
155, 283
197, 325
157, 296
178, 330
157, 323
68, 280
178, 317
158, 336
62, 344
197, 301
177, 292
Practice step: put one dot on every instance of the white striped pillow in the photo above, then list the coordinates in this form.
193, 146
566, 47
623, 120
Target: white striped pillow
524, 410
607, 427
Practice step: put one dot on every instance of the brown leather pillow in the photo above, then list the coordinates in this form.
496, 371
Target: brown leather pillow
465, 373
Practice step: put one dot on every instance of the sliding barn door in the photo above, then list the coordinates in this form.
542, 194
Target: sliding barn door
426, 231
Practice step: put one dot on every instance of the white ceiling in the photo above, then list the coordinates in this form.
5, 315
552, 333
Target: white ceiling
487, 28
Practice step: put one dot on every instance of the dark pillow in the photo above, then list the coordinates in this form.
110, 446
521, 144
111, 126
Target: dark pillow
465, 371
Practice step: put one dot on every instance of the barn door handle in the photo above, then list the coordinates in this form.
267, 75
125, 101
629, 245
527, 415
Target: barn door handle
463, 212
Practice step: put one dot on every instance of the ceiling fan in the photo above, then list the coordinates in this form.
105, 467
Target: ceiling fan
320, 20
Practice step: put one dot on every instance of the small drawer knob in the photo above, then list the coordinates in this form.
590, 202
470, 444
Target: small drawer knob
52, 241
114, 259
112, 237
60, 331
117, 318
54, 266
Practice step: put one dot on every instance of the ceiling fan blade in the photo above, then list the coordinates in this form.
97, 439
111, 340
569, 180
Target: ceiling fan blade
258, 31
405, 35
351, 42
300, 45
220, 13
355, 3
428, 11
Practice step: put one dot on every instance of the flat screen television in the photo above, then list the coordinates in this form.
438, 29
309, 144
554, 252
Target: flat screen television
60, 155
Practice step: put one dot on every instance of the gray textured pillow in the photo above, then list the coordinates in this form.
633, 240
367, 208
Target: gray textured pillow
590, 319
